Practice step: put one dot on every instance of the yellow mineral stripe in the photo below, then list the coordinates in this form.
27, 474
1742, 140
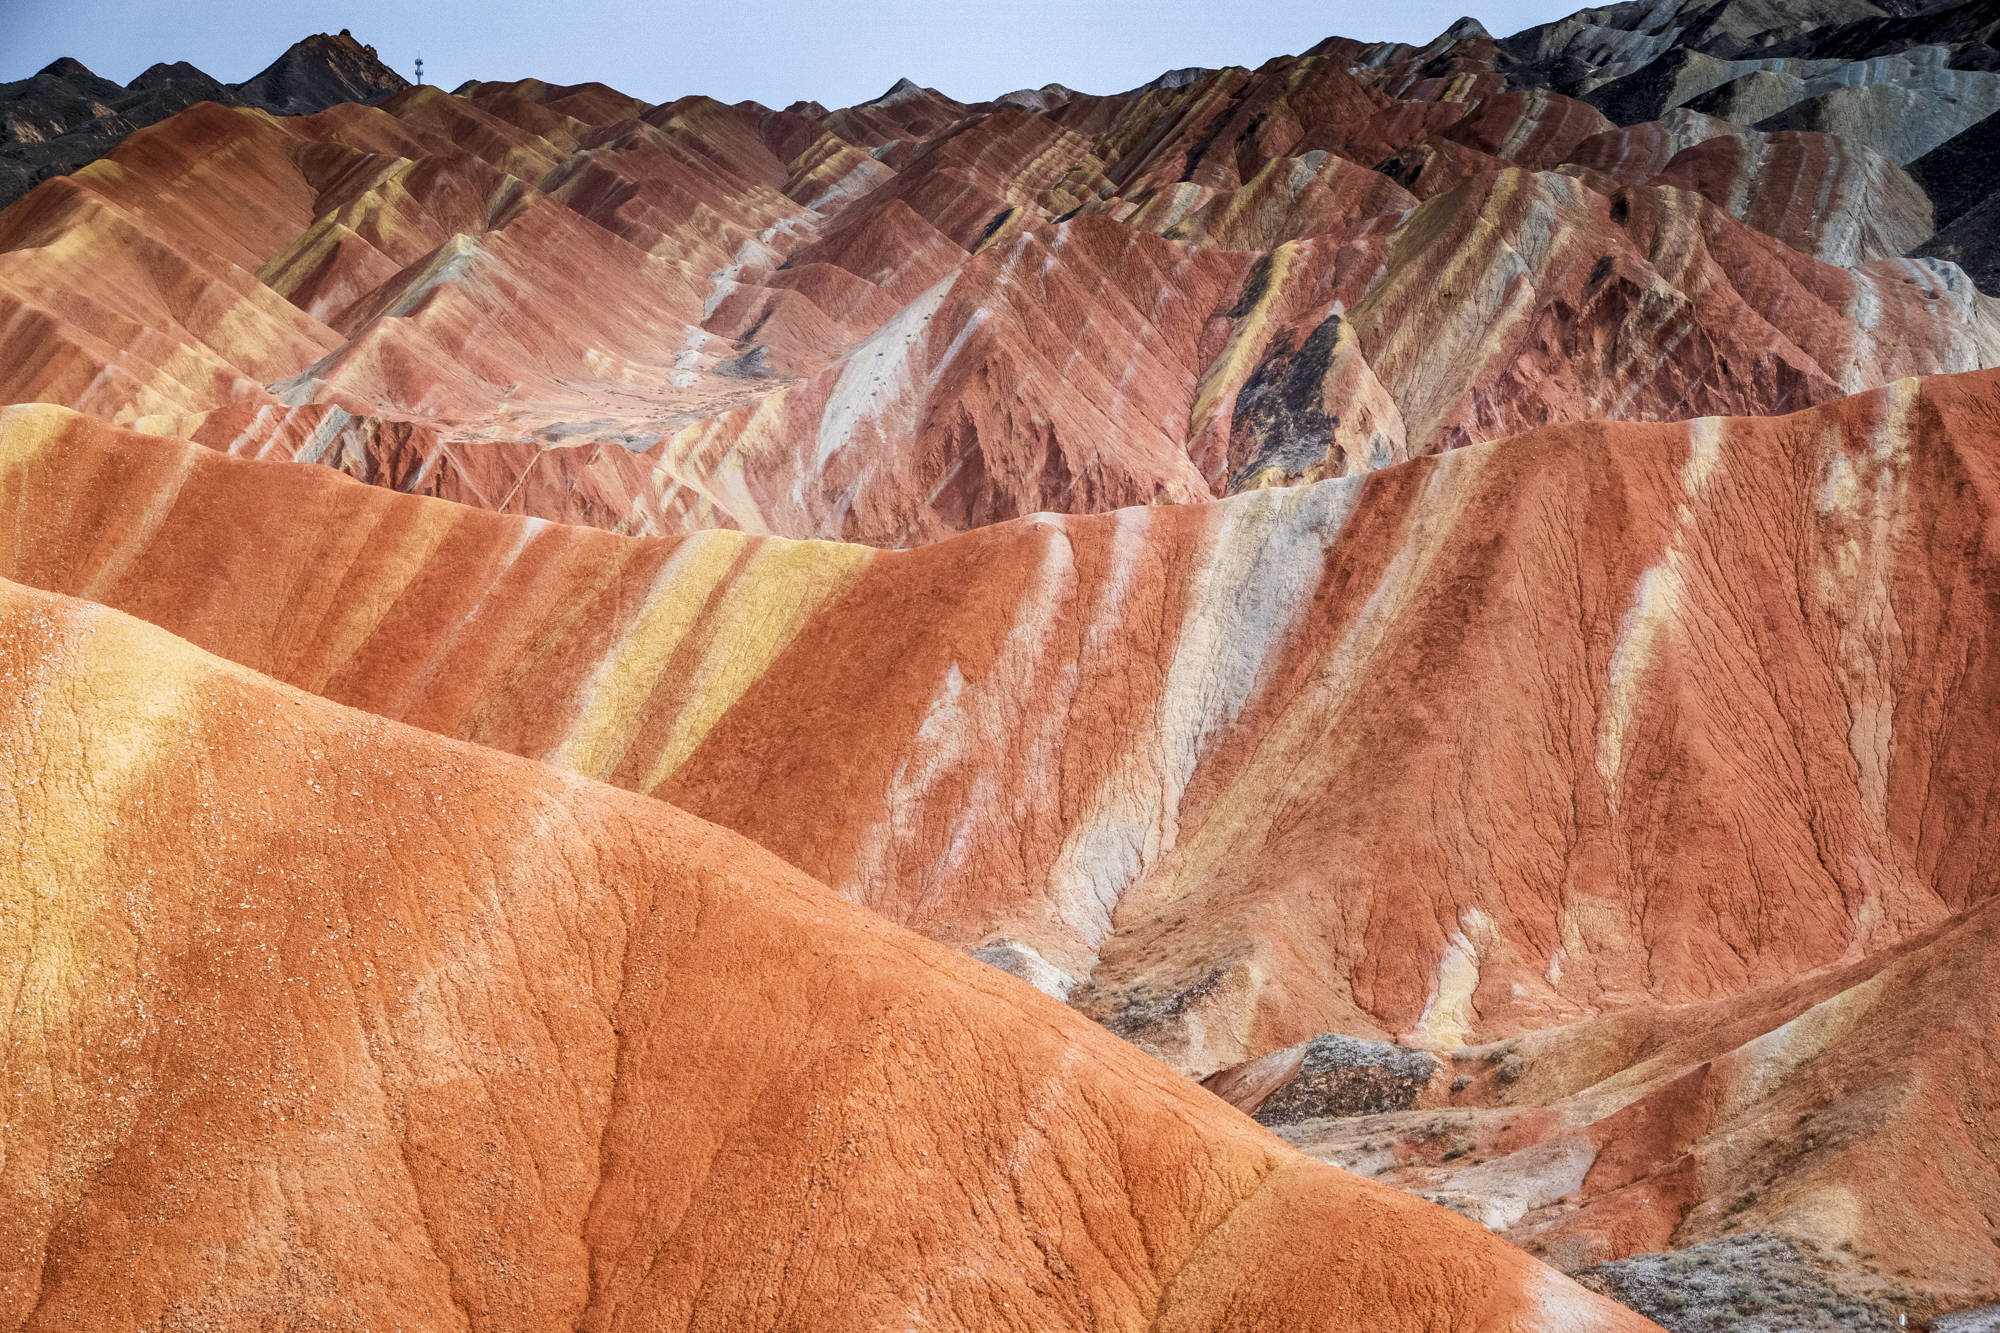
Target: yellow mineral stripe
743, 433
1472, 253
135, 535
96, 701
27, 429
292, 267
1756, 1069
1246, 342
778, 591
625, 678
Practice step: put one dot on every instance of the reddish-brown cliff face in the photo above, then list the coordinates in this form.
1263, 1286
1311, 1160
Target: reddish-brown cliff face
1849, 1111
1542, 732
317, 1020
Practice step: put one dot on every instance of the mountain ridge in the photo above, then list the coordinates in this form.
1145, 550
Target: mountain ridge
64, 116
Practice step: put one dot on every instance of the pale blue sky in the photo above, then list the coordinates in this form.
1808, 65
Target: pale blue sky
775, 51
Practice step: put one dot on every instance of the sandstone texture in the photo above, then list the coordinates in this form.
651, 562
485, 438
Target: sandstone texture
1274, 843
1299, 697
1177, 752
318, 1020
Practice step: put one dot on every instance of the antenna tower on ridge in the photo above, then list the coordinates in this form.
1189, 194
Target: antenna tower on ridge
420, 70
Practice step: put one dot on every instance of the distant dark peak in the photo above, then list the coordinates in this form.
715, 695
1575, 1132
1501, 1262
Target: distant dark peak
1974, 23
65, 67
319, 72
162, 71
68, 77
66, 116
1467, 29
898, 91
180, 75
332, 48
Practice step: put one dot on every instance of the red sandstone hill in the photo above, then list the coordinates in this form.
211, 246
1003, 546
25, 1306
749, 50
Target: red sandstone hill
317, 1020
1446, 592
1182, 756
1849, 1112
1720, 718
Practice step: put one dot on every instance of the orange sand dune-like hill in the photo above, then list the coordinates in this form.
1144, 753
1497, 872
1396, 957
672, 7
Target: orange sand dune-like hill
317, 1019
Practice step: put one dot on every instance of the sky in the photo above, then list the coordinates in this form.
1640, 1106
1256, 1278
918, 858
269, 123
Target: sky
774, 51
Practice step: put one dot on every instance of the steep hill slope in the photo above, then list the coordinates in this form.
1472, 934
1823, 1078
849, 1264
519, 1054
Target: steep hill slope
1849, 1113
1633, 712
1459, 751
325, 1019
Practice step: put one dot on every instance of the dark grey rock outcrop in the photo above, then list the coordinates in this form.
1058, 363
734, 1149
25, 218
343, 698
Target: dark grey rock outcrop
1329, 1076
65, 116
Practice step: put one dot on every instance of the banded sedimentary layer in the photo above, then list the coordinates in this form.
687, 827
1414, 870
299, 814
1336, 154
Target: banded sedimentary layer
914, 317
1175, 764
1444, 592
317, 1019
